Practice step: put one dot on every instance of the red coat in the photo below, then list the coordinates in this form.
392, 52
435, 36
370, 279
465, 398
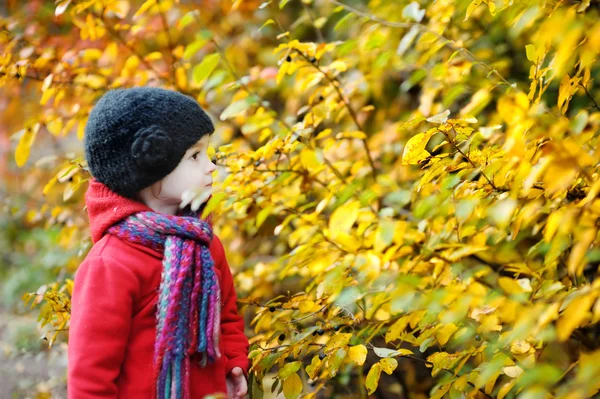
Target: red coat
113, 322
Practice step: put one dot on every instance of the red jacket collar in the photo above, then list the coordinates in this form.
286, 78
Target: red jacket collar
106, 208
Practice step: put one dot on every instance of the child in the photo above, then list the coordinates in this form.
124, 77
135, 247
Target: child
154, 311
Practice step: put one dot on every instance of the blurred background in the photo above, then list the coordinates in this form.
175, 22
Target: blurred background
315, 103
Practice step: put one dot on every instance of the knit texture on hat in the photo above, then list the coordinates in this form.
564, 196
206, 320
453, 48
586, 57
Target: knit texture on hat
135, 137
189, 303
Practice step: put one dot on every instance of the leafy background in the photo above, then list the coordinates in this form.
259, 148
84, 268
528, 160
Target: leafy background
408, 189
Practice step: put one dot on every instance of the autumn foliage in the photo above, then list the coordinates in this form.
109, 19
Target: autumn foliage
408, 190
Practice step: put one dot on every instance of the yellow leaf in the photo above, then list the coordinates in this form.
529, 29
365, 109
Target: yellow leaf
358, 354
443, 334
145, 7
530, 51
396, 329
81, 129
564, 93
512, 371
550, 314
119, 8
354, 135
92, 54
414, 151
577, 261
131, 66
47, 95
181, 78
342, 219
505, 389
474, 4
49, 185
574, 315
388, 365
310, 160
282, 71
92, 80
305, 306
520, 347
372, 380
55, 126
489, 386
552, 224
480, 99
153, 56
338, 65
24, 146
338, 340
510, 286
292, 386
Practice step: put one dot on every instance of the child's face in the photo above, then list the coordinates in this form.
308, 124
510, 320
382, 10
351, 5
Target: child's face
194, 172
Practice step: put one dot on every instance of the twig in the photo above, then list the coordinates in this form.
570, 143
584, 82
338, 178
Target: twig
312, 18
307, 316
336, 83
469, 159
57, 82
590, 96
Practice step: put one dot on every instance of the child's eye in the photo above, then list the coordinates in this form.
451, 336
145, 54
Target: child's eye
195, 155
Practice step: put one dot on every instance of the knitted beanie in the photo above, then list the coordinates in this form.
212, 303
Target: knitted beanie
135, 137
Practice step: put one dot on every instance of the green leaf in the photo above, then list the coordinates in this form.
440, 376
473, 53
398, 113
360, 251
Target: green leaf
334, 362
238, 107
263, 215
342, 21
193, 48
187, 19
289, 369
205, 68
269, 22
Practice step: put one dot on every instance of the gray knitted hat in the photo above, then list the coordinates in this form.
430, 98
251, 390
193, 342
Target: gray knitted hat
135, 137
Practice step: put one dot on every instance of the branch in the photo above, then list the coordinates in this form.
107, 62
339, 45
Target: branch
467, 158
590, 96
336, 83
56, 82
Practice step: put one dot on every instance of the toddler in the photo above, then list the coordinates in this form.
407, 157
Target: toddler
153, 311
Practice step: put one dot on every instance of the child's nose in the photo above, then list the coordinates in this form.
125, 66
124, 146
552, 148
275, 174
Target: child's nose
211, 168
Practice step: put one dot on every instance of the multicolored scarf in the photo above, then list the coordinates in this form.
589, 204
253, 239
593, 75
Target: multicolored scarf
188, 314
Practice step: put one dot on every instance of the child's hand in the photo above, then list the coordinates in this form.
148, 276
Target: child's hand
237, 386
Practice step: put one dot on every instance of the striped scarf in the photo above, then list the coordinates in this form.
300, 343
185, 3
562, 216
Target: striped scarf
188, 314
